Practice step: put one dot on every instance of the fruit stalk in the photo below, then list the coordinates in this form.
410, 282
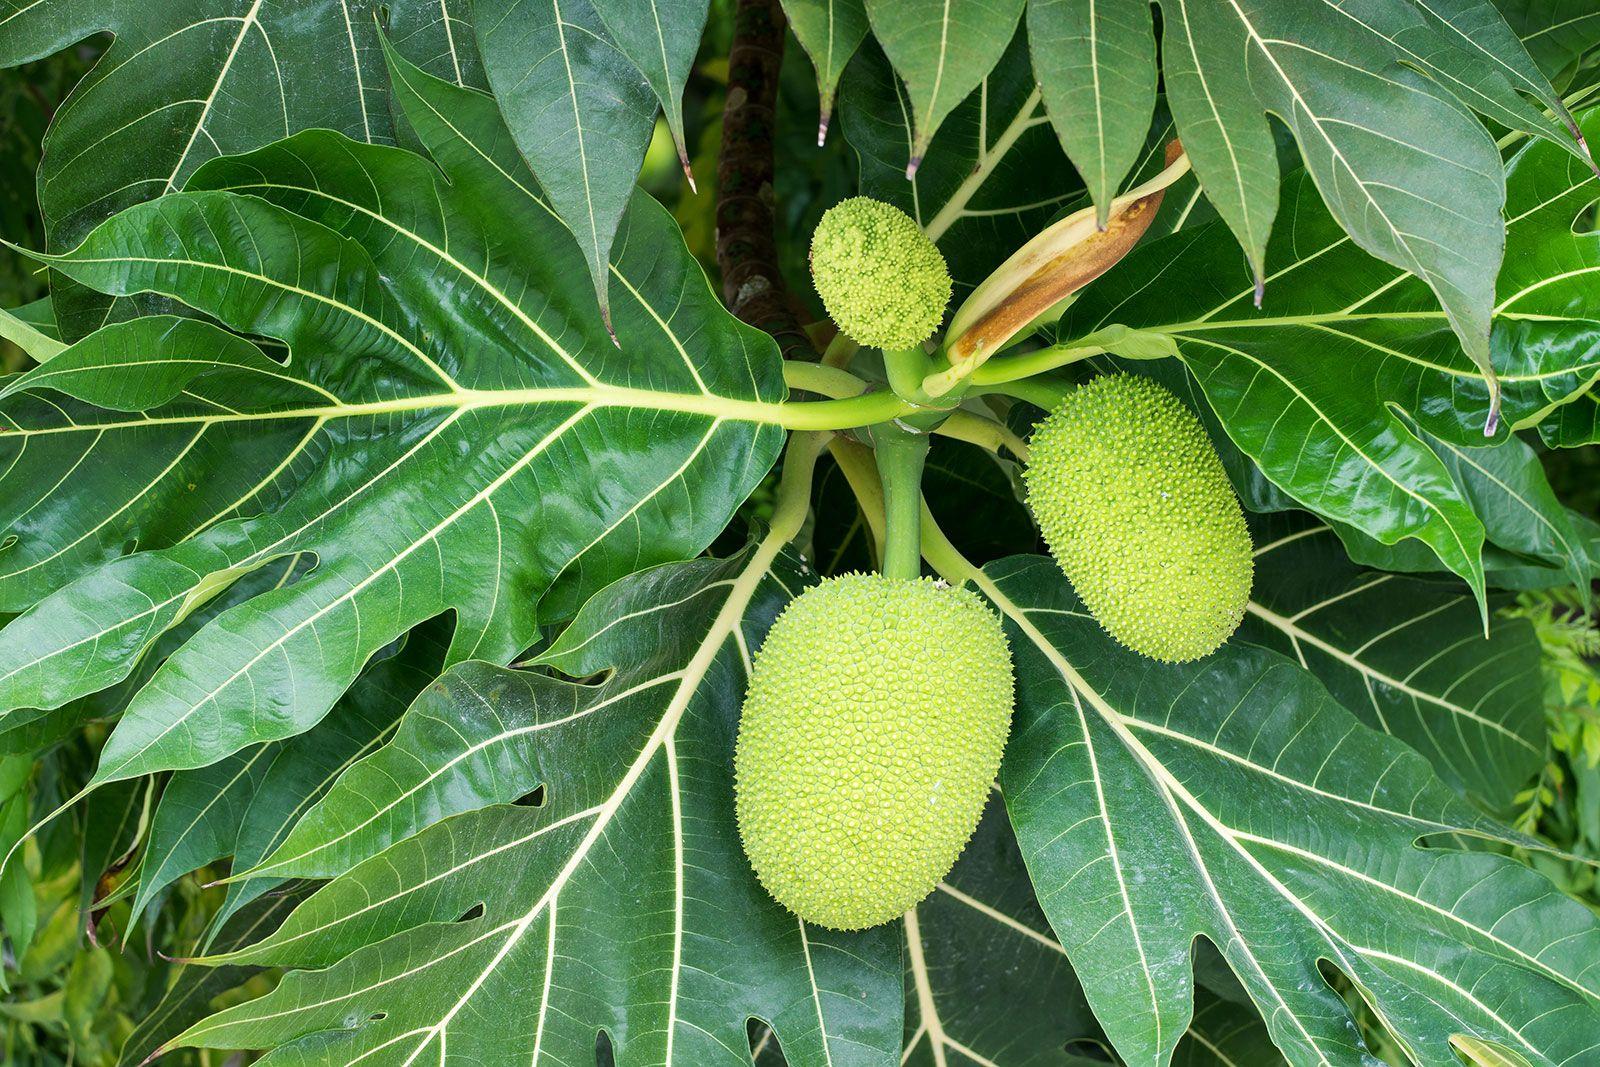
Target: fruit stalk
901, 455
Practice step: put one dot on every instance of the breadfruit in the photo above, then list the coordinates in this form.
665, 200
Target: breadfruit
870, 736
1137, 510
882, 280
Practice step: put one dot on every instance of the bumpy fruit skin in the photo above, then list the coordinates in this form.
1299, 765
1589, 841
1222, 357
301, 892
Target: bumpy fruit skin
877, 712
1136, 508
880, 277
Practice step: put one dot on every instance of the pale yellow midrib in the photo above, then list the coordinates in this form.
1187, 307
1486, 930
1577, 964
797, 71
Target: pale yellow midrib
719, 407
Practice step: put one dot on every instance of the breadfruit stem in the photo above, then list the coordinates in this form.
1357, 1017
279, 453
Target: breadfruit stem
984, 432
850, 406
1028, 364
901, 455
848, 413
823, 380
906, 368
793, 500
1040, 392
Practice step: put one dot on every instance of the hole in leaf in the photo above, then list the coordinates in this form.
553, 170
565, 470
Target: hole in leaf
474, 912
534, 799
604, 1055
1373, 1027
764, 1048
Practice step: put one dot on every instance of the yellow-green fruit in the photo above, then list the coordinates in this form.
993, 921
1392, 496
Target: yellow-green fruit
1137, 509
880, 277
877, 712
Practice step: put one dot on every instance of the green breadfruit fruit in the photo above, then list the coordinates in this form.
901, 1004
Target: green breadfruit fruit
877, 712
1136, 508
882, 280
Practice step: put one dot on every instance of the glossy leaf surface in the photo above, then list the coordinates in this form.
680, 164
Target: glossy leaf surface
454, 431
185, 81
620, 902
1234, 799
1405, 656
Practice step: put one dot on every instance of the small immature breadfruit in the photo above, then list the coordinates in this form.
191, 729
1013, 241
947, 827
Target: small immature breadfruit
877, 712
882, 280
1136, 508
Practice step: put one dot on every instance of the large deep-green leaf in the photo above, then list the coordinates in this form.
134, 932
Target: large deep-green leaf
1326, 385
1533, 540
29, 731
1234, 799
1556, 33
616, 899
943, 49
1468, 47
990, 179
1377, 95
579, 109
1507, 487
453, 432
988, 983
187, 80
1406, 656
38, 345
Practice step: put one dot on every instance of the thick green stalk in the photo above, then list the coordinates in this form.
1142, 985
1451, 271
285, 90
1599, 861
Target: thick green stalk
843, 414
822, 379
906, 367
1040, 392
984, 432
1028, 364
901, 455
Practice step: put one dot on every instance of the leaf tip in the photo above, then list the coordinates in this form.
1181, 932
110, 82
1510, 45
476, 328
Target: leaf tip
822, 128
688, 171
1261, 290
911, 168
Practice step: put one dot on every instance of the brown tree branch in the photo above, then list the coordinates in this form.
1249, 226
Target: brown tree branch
752, 285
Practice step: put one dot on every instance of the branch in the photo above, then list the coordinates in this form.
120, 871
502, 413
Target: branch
752, 285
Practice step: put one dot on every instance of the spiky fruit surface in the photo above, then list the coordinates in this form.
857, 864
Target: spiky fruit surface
1136, 508
872, 731
880, 277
